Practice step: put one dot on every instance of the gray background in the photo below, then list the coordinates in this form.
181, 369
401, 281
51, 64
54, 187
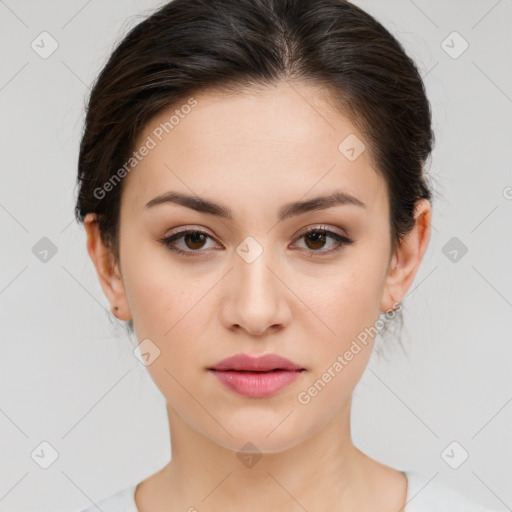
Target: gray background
68, 373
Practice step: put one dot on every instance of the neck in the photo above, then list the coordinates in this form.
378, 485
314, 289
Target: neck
325, 471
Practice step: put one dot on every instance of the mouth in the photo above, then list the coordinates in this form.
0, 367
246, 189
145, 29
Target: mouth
256, 377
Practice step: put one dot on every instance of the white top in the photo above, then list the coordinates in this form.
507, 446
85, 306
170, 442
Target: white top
422, 496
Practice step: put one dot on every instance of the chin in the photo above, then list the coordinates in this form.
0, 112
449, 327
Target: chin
257, 435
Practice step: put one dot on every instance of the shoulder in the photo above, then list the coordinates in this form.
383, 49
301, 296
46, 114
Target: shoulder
427, 494
120, 501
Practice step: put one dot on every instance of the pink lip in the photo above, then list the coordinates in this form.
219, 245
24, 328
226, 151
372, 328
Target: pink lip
256, 377
263, 363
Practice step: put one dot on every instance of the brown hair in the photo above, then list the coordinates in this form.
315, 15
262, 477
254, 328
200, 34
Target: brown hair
188, 46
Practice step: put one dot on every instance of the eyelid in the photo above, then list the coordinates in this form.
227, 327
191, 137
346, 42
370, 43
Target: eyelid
305, 231
321, 227
191, 227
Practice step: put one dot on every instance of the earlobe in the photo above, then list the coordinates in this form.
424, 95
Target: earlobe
107, 269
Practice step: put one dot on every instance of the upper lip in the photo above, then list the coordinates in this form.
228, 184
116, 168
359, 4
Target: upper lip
262, 363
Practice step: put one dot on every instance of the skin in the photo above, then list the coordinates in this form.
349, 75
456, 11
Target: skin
253, 153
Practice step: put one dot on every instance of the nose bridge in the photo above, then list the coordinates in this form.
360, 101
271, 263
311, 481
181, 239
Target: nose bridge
256, 292
255, 279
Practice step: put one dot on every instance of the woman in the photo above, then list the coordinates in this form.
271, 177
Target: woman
252, 186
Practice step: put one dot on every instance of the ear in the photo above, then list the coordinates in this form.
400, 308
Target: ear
407, 257
107, 269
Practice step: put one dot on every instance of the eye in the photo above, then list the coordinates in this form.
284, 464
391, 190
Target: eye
317, 237
193, 239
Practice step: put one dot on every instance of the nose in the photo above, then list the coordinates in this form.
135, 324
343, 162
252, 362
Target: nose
255, 297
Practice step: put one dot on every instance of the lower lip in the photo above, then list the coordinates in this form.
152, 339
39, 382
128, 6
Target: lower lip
256, 384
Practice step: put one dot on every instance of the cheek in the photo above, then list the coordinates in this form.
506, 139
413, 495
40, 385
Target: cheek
345, 300
350, 309
164, 295
346, 304
170, 306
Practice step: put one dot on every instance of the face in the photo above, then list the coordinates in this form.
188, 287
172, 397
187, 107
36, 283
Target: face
264, 277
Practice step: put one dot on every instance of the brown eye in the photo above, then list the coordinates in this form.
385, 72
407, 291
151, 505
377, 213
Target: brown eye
317, 238
193, 241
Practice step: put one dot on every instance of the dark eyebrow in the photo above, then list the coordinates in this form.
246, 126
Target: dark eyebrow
202, 205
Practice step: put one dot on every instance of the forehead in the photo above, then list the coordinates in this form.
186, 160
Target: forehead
273, 141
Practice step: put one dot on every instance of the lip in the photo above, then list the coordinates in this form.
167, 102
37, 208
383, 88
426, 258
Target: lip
256, 377
264, 363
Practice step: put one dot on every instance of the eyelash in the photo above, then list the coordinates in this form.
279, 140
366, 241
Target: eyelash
341, 240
